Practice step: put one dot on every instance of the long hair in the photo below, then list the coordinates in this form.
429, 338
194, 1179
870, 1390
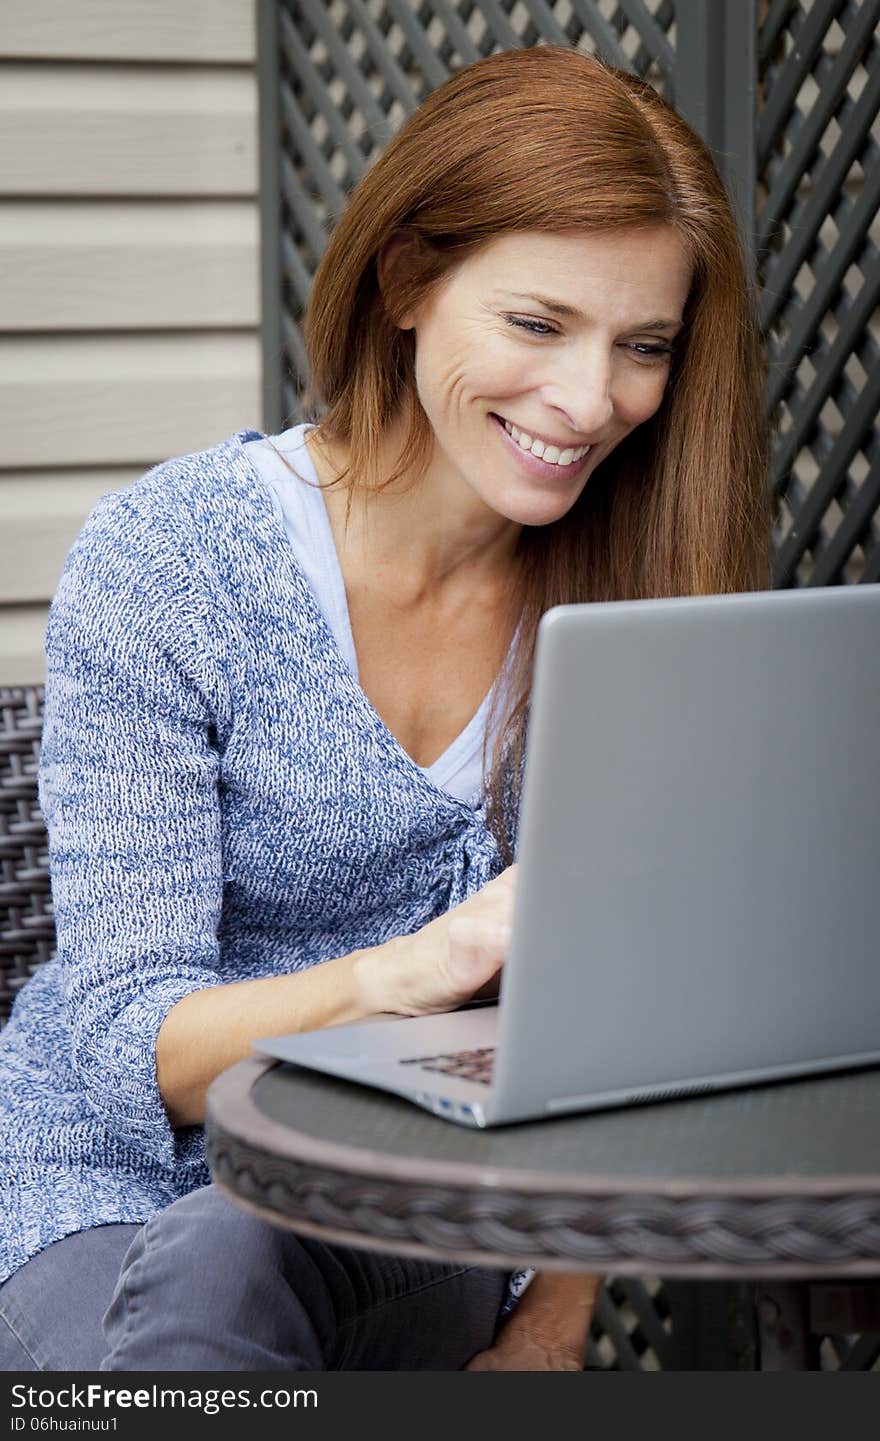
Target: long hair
550, 139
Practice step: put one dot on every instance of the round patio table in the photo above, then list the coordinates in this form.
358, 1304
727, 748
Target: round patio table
777, 1180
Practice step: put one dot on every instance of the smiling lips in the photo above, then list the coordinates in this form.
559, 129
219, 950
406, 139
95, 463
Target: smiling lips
545, 450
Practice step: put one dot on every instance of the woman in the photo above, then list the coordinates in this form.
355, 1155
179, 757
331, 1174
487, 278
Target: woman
275, 667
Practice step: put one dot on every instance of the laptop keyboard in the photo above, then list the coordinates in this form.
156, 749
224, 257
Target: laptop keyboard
467, 1065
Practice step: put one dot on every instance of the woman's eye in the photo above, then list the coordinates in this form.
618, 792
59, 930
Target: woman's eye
534, 327
650, 352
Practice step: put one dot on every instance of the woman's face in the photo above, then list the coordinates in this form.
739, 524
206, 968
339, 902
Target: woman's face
535, 357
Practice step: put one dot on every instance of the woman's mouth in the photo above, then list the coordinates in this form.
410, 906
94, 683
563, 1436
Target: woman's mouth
539, 457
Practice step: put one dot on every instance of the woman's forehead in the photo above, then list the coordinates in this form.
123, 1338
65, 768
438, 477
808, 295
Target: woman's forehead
569, 268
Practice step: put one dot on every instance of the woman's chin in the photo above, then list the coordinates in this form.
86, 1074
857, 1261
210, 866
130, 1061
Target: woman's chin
536, 509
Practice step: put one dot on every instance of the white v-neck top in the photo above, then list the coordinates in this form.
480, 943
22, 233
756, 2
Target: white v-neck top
284, 463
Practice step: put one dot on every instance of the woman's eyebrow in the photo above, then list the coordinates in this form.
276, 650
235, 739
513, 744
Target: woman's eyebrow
559, 307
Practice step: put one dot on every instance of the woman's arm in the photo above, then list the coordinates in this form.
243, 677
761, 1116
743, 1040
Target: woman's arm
128, 781
139, 680
439, 966
211, 1029
549, 1328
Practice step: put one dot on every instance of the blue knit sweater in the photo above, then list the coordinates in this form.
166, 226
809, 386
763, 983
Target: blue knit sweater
222, 803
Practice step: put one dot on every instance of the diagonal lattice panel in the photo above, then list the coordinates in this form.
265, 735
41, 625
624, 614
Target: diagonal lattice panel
352, 70
850, 1353
818, 150
634, 1328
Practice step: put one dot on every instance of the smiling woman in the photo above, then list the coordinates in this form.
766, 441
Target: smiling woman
545, 254
287, 690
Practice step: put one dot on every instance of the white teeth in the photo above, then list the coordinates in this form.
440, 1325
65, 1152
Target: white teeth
550, 453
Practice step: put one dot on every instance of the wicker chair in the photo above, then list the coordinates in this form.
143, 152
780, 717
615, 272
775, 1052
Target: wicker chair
27, 928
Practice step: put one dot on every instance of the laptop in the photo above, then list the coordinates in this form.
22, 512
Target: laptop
699, 857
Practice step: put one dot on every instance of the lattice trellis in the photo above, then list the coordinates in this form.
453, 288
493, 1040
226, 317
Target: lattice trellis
345, 73
654, 1325
818, 147
633, 1328
849, 1353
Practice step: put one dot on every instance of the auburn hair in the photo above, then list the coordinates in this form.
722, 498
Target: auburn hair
551, 139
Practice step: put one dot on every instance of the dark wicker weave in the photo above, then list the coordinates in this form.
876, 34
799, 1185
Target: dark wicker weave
323, 1155
27, 929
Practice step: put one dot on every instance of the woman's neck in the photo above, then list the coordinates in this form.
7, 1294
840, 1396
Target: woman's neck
419, 539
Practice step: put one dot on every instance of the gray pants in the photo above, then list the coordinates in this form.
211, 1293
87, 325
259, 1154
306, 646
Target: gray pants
206, 1286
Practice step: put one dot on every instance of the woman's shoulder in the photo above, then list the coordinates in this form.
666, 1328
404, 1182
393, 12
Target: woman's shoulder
161, 566
201, 501
186, 485
185, 541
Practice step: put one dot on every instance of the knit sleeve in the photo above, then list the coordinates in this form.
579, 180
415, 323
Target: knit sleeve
128, 786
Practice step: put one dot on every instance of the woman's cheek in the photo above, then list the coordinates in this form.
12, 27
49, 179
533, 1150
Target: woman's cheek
641, 402
500, 373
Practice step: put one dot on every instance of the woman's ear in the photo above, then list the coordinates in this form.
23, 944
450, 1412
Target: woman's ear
394, 266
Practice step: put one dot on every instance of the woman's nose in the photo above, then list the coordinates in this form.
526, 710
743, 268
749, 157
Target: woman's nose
581, 393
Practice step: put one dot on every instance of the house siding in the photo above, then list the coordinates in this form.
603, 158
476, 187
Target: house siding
129, 265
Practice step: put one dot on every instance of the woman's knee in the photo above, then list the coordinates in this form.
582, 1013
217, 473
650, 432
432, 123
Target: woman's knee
209, 1286
206, 1227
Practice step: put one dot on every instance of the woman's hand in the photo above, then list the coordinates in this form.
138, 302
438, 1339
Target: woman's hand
549, 1327
448, 961
524, 1354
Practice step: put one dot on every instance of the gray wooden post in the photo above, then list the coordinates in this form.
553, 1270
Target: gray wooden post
716, 82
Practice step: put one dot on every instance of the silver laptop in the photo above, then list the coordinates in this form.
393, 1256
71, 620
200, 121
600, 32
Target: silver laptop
699, 859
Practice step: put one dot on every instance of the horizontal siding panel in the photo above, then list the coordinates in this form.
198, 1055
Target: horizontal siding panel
167, 30
22, 641
42, 514
73, 265
123, 400
85, 130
